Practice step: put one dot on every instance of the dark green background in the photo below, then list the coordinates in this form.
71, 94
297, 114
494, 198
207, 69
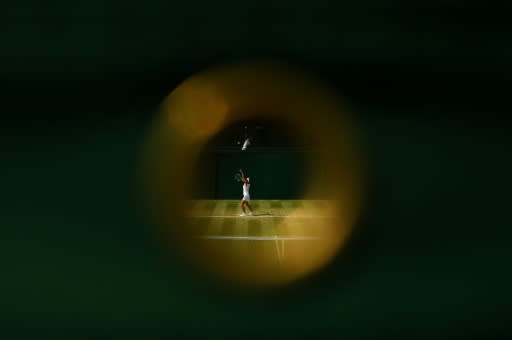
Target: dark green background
429, 82
275, 173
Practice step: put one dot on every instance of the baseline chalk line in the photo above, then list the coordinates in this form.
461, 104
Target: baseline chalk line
262, 238
263, 216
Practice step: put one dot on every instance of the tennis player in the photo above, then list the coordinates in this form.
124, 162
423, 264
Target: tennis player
246, 197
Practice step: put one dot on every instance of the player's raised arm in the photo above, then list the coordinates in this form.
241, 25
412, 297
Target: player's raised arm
243, 176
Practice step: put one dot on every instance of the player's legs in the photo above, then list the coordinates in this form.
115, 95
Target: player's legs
245, 203
242, 205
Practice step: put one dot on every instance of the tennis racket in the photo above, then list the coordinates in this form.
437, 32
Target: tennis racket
238, 177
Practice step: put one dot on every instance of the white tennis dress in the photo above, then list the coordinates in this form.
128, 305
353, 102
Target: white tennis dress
245, 192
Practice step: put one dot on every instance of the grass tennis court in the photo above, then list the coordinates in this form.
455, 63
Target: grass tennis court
280, 234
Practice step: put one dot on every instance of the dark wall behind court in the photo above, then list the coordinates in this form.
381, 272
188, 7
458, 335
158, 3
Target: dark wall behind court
275, 173
428, 82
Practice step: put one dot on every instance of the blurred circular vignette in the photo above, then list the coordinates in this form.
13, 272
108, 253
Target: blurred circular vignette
300, 240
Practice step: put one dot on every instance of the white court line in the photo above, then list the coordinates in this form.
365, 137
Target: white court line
263, 216
262, 238
277, 239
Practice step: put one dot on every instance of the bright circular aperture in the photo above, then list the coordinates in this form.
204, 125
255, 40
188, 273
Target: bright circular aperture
299, 238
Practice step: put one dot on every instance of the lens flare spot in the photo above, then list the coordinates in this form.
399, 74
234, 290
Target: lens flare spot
291, 242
